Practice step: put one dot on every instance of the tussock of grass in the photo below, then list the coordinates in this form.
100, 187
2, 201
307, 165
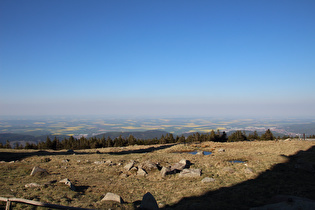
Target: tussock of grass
93, 181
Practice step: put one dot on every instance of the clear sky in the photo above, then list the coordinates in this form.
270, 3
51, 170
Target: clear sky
166, 57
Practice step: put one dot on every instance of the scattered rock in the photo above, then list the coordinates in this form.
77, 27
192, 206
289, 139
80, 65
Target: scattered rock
190, 173
207, 179
129, 165
112, 197
108, 162
38, 171
33, 185
165, 171
141, 172
148, 202
200, 153
149, 166
65, 161
66, 181
185, 162
180, 165
221, 150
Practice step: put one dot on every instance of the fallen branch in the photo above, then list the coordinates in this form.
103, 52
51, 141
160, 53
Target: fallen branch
36, 203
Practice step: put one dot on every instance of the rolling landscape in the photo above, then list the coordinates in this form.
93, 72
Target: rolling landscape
37, 129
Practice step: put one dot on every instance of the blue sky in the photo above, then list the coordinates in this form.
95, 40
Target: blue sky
161, 58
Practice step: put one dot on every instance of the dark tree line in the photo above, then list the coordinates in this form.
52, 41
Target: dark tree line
93, 142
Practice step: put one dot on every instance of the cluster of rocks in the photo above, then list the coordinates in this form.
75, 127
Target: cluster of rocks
182, 167
40, 171
148, 201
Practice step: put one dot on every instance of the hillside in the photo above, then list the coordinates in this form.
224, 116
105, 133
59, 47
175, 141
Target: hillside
269, 169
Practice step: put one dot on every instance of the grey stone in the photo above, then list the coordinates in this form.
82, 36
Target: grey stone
190, 173
112, 197
184, 162
38, 170
148, 202
207, 179
33, 185
108, 162
148, 166
200, 153
165, 171
98, 162
141, 172
129, 165
178, 167
66, 181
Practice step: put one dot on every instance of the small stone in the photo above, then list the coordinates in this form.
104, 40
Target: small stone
207, 180
112, 197
184, 162
38, 170
148, 202
165, 171
98, 162
66, 181
200, 153
149, 166
129, 165
221, 150
33, 185
190, 173
141, 172
65, 161
108, 162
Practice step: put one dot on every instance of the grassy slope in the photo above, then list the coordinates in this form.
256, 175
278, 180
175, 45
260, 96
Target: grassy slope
272, 164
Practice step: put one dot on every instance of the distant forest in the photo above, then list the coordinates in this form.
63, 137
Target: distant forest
121, 141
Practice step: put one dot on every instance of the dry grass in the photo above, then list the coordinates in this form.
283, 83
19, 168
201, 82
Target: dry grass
93, 181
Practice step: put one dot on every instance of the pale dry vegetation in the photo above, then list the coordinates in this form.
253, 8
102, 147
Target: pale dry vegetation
93, 180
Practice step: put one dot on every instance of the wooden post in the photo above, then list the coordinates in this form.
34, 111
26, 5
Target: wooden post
8, 206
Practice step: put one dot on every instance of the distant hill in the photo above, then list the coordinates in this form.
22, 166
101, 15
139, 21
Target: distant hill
307, 128
151, 134
23, 138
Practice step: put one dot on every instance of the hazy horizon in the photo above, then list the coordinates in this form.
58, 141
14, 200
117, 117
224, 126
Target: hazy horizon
157, 58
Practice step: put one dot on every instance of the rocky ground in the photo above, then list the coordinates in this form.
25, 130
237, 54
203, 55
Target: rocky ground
239, 175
